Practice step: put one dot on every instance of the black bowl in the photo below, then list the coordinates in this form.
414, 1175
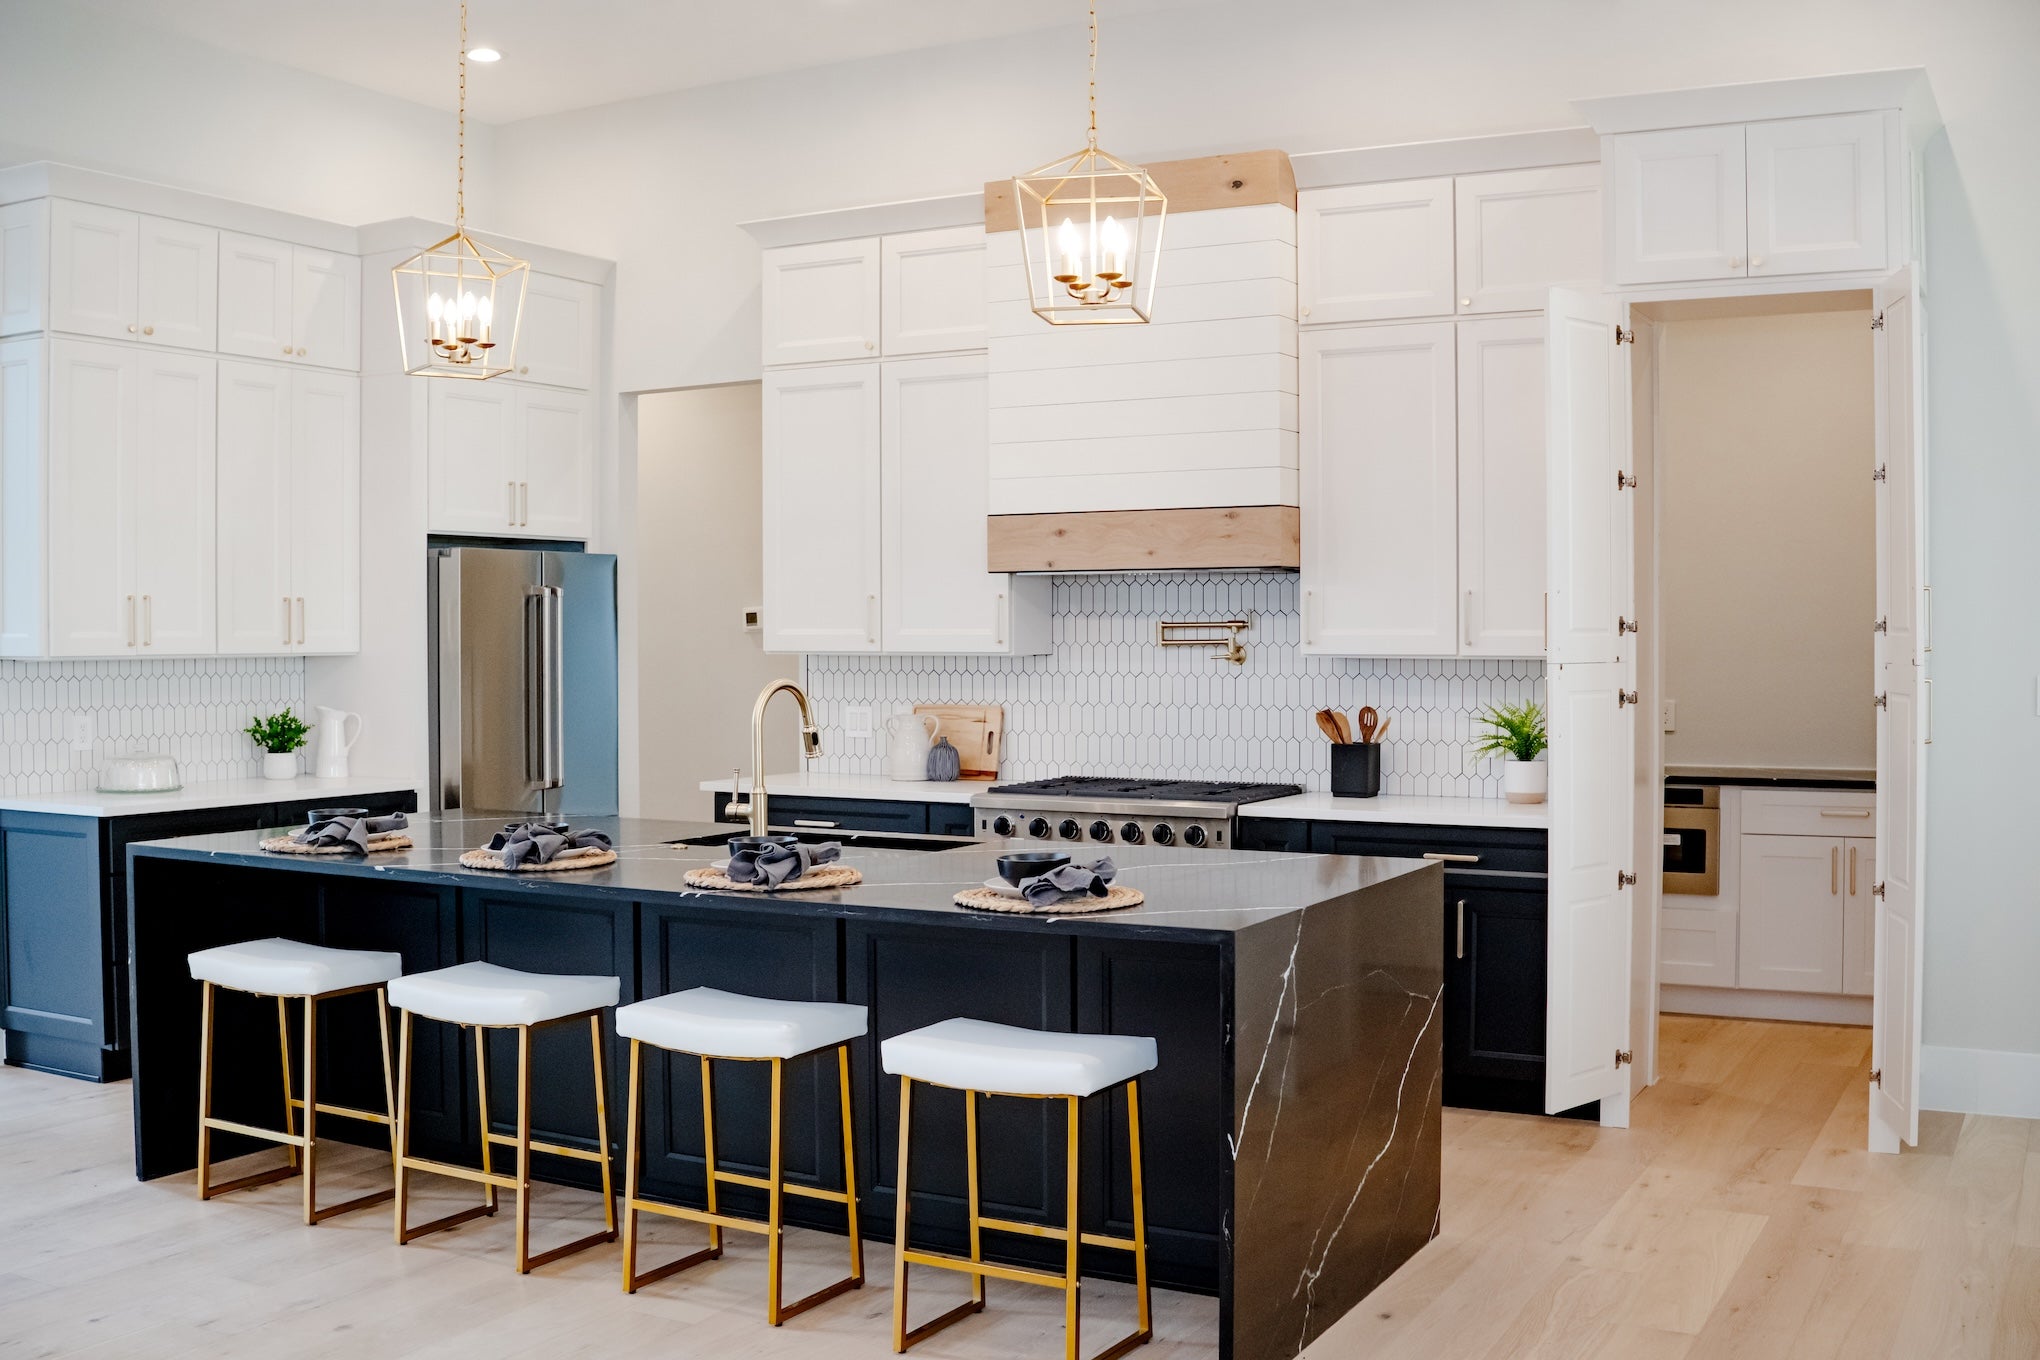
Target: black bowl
740, 844
1023, 864
317, 815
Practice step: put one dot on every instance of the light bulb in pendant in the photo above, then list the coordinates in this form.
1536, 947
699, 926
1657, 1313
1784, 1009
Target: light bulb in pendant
1112, 261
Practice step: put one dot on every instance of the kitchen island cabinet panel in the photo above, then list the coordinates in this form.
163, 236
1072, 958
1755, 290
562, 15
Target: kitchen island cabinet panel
840, 814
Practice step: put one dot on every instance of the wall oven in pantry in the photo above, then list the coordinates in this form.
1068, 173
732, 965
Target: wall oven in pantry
1692, 839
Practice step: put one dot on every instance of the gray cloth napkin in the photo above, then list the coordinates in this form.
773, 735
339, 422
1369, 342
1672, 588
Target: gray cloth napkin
775, 864
539, 843
352, 832
1068, 882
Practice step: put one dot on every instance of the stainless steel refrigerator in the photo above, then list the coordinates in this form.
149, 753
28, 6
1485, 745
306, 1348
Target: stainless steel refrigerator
523, 681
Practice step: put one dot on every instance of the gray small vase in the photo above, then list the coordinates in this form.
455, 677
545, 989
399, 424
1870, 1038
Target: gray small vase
944, 761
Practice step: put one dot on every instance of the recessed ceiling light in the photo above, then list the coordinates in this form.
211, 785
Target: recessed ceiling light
484, 54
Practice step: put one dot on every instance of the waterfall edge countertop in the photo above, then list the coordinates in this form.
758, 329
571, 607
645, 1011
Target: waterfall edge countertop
212, 793
1291, 1129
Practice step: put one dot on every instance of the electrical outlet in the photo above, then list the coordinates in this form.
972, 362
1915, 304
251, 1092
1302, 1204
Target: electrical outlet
80, 729
1668, 711
857, 721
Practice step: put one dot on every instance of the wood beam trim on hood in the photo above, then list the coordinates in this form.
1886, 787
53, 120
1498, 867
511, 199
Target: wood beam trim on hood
1212, 538
1242, 179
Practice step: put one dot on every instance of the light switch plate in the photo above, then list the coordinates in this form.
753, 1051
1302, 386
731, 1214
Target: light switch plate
857, 721
1668, 712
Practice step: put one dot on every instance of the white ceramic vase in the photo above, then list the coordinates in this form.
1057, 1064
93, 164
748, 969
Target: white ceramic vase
279, 765
1525, 781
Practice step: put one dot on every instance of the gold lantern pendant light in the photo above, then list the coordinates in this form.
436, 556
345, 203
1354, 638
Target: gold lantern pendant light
459, 302
1091, 231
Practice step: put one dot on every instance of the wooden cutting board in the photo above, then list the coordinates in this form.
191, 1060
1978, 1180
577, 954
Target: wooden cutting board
976, 731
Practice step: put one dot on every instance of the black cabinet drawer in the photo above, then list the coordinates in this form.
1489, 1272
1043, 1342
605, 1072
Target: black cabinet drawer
1493, 849
950, 819
1274, 833
840, 814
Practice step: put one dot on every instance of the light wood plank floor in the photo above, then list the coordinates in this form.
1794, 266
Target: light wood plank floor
1739, 1218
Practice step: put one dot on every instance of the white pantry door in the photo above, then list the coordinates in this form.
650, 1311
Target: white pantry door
1592, 715
1904, 723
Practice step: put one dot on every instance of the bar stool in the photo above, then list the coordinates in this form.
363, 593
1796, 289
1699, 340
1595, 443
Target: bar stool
980, 1058
288, 970
711, 1025
483, 996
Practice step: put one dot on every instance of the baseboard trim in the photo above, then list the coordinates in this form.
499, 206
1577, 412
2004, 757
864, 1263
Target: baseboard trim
1980, 1081
1738, 1003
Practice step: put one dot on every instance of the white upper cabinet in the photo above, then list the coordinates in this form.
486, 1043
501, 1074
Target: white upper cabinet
171, 478
822, 510
24, 259
1522, 232
325, 483
1816, 194
510, 459
280, 301
933, 291
1371, 252
1676, 204
1379, 492
177, 284
95, 268
559, 332
821, 302
555, 445
1501, 487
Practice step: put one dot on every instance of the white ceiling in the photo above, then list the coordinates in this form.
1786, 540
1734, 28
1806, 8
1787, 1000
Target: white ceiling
566, 54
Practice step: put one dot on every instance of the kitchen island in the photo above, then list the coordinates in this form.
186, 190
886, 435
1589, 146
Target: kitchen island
1291, 1128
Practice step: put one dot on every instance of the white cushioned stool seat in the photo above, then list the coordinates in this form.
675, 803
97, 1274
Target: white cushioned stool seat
976, 1055
287, 968
731, 1025
485, 994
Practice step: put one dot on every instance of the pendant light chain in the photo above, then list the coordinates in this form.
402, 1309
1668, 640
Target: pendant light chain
460, 160
1094, 76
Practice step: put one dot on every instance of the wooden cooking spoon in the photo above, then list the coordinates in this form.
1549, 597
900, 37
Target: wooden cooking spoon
1369, 719
1328, 723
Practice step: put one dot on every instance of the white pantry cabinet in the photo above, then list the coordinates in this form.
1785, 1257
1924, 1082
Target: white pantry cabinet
126, 276
509, 459
1373, 252
1521, 233
1676, 205
821, 302
932, 291
130, 566
823, 556
1501, 487
1816, 194
289, 510
558, 333
282, 301
24, 256
1790, 936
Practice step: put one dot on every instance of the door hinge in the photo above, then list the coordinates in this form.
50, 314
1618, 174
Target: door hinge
1623, 625
1625, 697
1877, 322
1623, 1057
1881, 626
1881, 701
1625, 482
1877, 888
1624, 336
1877, 1077
1878, 475
1624, 879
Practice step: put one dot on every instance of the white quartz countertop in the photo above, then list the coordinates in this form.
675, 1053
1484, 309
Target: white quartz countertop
218, 793
1405, 809
806, 785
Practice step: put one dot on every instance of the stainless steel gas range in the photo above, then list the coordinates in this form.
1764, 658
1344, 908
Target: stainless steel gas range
1199, 813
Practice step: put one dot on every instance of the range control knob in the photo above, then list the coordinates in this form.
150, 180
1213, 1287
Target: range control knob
1194, 836
1101, 831
1002, 826
1164, 834
1038, 828
1069, 830
1132, 834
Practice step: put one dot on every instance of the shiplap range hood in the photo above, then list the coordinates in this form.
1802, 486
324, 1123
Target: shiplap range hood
1160, 447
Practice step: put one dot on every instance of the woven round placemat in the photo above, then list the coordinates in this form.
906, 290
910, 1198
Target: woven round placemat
490, 859
827, 876
284, 845
984, 899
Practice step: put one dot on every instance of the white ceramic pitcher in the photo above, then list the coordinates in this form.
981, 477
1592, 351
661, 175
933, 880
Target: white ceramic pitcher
329, 755
912, 734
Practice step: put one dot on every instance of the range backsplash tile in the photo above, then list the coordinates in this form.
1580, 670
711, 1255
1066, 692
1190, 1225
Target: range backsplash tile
1109, 700
193, 709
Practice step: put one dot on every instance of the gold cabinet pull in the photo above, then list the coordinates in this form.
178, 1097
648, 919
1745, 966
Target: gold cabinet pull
1834, 869
286, 620
1442, 858
1852, 871
148, 620
130, 620
301, 620
1459, 932
513, 503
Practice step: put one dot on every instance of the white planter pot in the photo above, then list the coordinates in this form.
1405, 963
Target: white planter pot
279, 765
1525, 781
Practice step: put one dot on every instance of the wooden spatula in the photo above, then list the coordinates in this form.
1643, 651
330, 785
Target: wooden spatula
1328, 723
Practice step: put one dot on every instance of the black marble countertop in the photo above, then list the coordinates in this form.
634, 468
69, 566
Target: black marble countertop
1189, 892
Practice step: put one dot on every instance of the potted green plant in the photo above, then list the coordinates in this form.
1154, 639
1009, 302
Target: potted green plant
279, 735
1515, 732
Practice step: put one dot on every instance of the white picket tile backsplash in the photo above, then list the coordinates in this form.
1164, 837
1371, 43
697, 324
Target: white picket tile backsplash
194, 710
1108, 700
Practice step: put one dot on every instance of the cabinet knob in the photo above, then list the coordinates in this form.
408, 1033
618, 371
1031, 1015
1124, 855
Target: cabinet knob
524, 370
131, 329
1735, 262
1306, 311
148, 330
286, 351
1756, 262
301, 351
1466, 302
871, 344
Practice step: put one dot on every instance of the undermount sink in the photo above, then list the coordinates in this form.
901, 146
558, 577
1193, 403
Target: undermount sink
872, 840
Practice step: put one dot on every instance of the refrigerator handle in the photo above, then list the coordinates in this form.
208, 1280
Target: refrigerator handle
536, 704
449, 680
553, 615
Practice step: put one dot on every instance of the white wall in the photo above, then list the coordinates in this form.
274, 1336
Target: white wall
700, 563
1767, 547
659, 185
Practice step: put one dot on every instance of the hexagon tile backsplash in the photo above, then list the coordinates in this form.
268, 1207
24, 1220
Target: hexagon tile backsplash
194, 710
1108, 700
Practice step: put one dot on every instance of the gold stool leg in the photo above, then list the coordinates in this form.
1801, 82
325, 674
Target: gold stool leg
311, 1107
523, 1149
633, 1116
970, 1144
602, 1126
708, 1162
899, 1302
283, 1042
205, 1028
400, 1134
389, 1085
482, 1095
775, 1201
1070, 1313
1140, 1262
850, 1170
